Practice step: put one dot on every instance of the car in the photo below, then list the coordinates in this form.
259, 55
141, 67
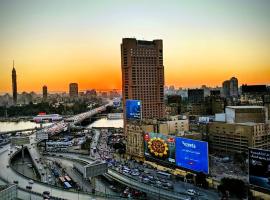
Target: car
31, 181
191, 192
46, 194
150, 177
113, 188
158, 183
146, 180
29, 187
16, 182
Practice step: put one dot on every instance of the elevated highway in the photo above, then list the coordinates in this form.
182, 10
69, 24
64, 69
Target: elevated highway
9, 175
159, 193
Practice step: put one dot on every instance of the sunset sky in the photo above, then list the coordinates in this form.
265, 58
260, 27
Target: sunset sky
55, 42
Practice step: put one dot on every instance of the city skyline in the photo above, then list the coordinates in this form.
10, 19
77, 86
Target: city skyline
205, 43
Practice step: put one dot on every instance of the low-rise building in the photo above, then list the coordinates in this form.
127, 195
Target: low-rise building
238, 137
240, 128
135, 130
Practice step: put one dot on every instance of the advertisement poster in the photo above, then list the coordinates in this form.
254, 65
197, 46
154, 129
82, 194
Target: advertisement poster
192, 154
259, 168
133, 109
160, 147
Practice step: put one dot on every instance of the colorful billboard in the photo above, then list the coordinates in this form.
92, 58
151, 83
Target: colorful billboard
133, 109
259, 168
192, 154
159, 147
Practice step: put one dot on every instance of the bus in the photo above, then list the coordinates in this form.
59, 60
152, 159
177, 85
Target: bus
44, 117
67, 178
163, 175
62, 179
67, 185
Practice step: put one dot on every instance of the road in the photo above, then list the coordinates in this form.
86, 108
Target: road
9, 175
164, 194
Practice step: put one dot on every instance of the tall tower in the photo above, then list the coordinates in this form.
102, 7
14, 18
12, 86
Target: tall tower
45, 92
73, 90
143, 75
14, 85
226, 88
234, 87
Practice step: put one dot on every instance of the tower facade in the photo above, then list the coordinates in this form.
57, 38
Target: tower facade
45, 92
234, 87
14, 85
143, 75
73, 90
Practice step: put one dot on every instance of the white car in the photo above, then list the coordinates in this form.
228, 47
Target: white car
191, 192
31, 182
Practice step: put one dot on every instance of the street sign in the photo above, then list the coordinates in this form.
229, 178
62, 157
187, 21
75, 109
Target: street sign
20, 140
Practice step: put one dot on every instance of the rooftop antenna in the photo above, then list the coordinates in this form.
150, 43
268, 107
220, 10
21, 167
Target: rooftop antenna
13, 64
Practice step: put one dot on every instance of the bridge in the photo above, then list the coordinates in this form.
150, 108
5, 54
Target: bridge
72, 121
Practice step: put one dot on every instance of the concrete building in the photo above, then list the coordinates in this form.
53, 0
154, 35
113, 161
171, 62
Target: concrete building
73, 90
173, 106
238, 137
44, 92
230, 88
214, 104
143, 75
135, 138
135, 130
266, 103
195, 95
196, 109
226, 88
239, 128
177, 124
242, 114
234, 87
14, 85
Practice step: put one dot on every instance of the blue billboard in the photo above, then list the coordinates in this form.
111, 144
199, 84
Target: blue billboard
192, 154
133, 109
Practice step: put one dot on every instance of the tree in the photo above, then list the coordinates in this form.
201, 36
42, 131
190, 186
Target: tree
201, 180
235, 187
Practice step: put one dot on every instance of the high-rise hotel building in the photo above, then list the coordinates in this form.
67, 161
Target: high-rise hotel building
143, 75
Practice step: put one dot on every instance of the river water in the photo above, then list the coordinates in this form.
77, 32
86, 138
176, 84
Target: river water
21, 125
13, 126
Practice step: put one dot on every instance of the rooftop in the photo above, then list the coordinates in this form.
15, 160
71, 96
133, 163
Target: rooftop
249, 123
244, 107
